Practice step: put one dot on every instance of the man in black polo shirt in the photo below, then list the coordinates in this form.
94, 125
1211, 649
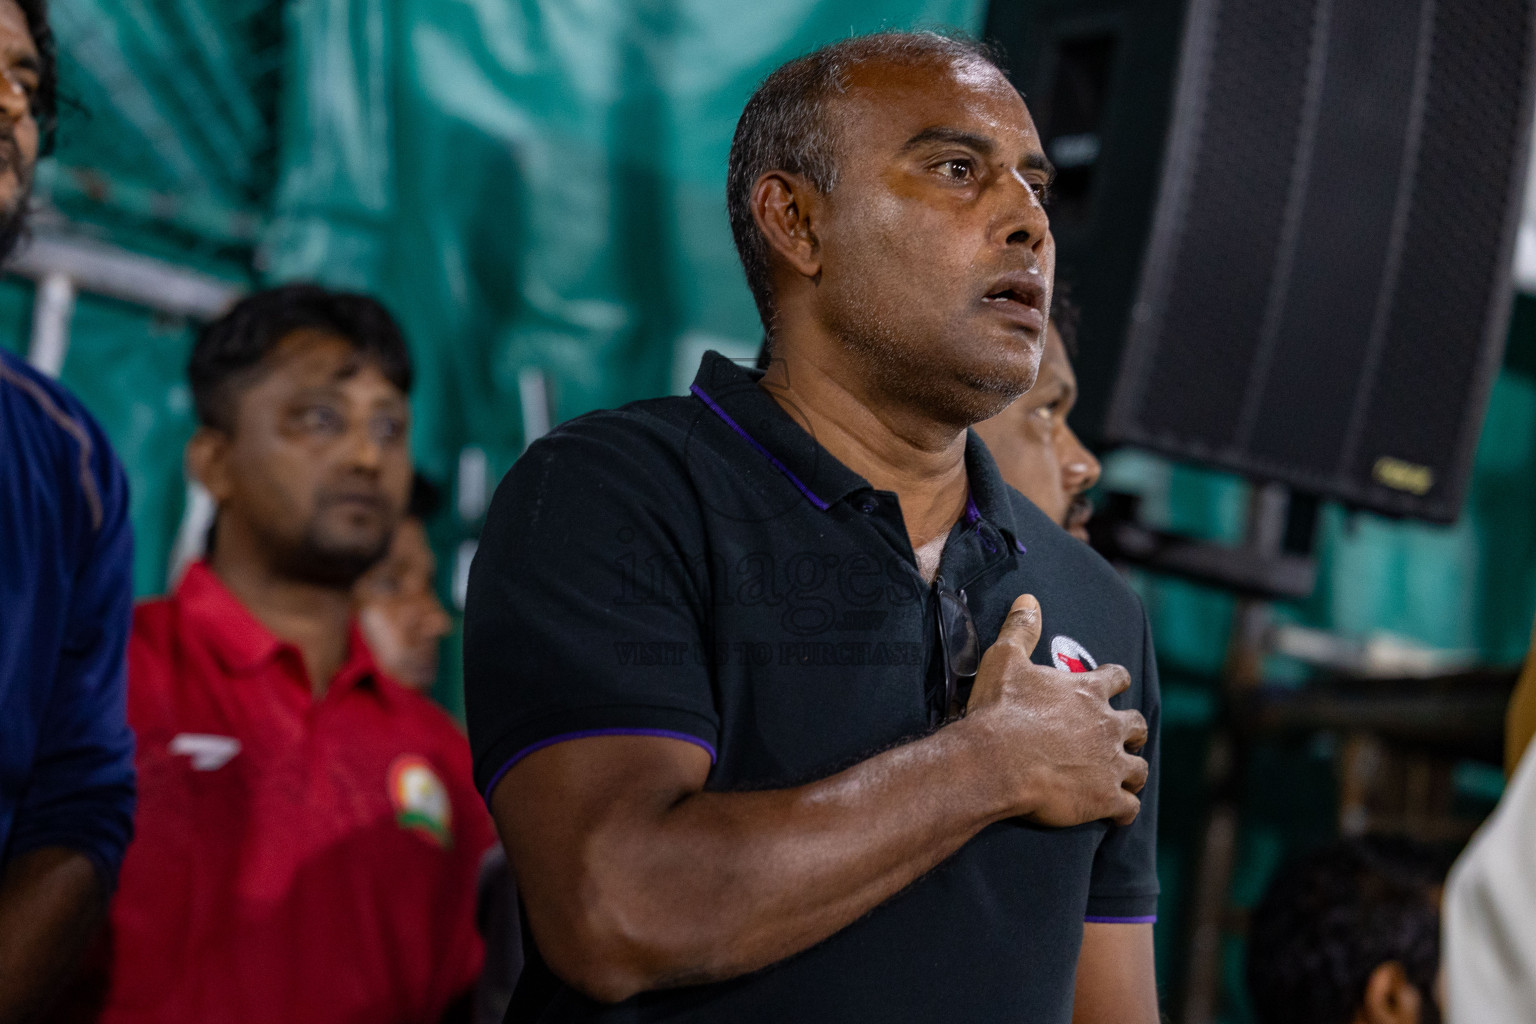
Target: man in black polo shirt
717, 646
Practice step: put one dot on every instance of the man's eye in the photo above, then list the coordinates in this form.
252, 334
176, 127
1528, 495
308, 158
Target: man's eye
388, 429
1042, 190
958, 169
320, 419
22, 81
387, 585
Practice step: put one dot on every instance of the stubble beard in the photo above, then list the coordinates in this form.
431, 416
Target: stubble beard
906, 368
14, 216
318, 561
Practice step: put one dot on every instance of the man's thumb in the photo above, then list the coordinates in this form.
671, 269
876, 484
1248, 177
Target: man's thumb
1022, 626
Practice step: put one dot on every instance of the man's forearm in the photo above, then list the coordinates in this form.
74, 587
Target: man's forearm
714, 885
51, 901
635, 877
765, 875
1116, 976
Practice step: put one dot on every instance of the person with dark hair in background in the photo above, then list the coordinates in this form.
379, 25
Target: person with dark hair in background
1036, 451
309, 837
66, 593
1349, 934
397, 605
752, 675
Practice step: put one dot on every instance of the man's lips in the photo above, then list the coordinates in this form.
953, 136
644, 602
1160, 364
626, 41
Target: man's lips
370, 502
1078, 514
1019, 296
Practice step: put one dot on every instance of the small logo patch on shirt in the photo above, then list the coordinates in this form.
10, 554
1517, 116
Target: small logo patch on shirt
209, 753
420, 799
1070, 656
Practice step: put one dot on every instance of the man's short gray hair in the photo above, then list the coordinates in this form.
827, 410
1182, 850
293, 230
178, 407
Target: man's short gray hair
785, 127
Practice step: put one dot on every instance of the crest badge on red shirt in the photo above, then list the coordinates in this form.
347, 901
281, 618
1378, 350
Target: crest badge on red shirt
1070, 656
420, 799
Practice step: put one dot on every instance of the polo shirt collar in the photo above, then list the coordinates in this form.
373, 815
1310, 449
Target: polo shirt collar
732, 393
241, 642
989, 491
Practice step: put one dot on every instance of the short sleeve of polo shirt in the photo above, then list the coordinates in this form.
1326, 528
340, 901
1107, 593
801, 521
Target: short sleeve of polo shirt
79, 790
583, 615
1123, 888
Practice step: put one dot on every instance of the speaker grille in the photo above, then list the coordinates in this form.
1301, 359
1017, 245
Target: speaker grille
1427, 396
1326, 283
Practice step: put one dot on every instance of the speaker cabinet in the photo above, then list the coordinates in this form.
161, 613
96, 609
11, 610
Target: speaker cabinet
1289, 227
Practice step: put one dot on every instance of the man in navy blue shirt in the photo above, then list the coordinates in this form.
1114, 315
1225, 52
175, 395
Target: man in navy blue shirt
66, 754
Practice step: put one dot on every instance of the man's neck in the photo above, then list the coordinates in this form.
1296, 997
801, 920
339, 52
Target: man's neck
315, 619
893, 446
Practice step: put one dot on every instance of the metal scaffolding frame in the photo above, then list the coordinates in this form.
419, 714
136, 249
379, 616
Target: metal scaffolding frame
63, 265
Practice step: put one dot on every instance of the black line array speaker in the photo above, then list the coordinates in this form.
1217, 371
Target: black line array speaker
1289, 226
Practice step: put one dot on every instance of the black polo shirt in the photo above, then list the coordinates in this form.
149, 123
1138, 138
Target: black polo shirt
700, 568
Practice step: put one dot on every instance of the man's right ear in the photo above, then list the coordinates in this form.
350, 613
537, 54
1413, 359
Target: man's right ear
207, 461
786, 207
1390, 998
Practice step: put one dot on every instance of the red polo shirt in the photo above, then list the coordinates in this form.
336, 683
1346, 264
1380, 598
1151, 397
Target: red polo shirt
296, 859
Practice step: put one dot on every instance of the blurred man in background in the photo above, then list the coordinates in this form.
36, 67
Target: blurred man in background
309, 838
1349, 934
1036, 451
66, 589
402, 618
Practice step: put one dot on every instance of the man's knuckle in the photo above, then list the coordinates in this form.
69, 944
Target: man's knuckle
1022, 618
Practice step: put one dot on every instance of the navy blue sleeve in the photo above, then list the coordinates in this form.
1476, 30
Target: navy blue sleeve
1124, 885
80, 792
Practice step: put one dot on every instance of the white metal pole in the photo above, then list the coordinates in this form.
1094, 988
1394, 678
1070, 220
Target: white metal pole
52, 309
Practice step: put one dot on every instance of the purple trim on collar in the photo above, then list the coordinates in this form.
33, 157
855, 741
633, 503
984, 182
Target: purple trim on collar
583, 734
764, 452
1095, 919
972, 513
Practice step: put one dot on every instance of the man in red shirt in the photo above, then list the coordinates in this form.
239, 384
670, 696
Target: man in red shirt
308, 834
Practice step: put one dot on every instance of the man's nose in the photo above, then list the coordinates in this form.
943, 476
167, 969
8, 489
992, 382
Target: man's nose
365, 450
1079, 468
1022, 219
438, 622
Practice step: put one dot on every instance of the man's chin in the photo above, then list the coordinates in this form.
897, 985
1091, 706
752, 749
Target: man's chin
337, 565
419, 673
992, 388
